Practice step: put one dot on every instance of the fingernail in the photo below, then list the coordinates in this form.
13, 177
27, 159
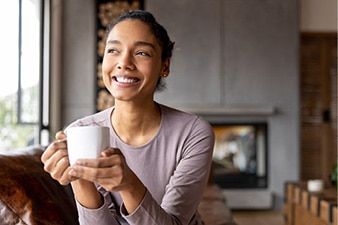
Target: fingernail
72, 173
62, 140
78, 162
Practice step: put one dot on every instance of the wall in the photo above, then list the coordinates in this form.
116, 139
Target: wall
78, 59
318, 16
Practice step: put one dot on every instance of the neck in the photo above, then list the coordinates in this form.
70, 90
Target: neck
136, 124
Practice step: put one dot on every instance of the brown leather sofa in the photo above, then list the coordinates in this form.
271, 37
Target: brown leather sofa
29, 196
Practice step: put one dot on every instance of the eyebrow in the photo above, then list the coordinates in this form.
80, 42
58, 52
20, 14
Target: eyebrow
137, 43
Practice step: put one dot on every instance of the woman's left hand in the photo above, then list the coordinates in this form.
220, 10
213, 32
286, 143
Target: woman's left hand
110, 170
113, 174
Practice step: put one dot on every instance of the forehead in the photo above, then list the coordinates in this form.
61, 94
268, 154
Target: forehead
132, 30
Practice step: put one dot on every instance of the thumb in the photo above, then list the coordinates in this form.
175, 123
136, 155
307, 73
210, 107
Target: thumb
111, 151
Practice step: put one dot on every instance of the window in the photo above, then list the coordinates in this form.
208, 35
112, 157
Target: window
24, 73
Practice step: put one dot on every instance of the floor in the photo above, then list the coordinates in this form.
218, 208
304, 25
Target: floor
258, 217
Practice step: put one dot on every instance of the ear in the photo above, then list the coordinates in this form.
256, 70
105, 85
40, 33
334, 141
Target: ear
165, 68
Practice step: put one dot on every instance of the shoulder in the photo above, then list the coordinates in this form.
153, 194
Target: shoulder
182, 116
185, 120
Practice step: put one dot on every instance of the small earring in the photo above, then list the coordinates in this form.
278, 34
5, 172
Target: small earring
164, 75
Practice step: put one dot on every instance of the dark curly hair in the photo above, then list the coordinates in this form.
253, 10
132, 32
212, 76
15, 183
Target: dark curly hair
157, 29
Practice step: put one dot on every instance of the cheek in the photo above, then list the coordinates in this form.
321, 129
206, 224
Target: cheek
105, 65
106, 68
106, 81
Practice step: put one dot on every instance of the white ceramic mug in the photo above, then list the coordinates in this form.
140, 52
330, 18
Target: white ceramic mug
316, 185
86, 142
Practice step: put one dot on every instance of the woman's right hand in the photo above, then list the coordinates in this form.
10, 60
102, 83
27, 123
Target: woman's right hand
55, 160
56, 163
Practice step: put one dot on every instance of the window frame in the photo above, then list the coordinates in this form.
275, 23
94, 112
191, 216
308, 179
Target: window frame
43, 118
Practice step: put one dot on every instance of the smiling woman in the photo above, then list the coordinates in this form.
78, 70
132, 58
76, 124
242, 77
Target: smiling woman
21, 73
158, 161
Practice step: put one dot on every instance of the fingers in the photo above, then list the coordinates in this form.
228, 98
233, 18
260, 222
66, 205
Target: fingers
52, 148
110, 157
60, 135
109, 178
111, 151
107, 171
95, 174
55, 159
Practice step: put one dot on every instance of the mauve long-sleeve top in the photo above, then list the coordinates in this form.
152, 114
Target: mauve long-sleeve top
174, 167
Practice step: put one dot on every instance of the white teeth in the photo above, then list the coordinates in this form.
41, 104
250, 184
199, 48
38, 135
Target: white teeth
125, 80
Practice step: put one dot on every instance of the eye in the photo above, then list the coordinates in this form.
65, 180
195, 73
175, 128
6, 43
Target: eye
112, 51
142, 53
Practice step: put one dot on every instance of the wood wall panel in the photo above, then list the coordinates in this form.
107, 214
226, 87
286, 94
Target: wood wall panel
318, 68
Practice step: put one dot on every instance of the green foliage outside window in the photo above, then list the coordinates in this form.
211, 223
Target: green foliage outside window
12, 133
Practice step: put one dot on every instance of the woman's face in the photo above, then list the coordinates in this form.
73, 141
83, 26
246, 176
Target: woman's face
132, 62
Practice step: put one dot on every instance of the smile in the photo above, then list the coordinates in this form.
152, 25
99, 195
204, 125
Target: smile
126, 80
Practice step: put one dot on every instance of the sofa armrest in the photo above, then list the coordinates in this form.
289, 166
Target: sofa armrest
28, 195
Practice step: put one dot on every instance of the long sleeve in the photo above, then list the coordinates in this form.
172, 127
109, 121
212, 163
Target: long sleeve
100, 216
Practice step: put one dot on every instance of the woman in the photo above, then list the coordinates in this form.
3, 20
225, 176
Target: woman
158, 164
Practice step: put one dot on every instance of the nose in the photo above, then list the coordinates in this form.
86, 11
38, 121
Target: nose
126, 62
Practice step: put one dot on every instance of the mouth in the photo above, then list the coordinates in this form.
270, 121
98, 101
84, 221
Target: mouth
126, 80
